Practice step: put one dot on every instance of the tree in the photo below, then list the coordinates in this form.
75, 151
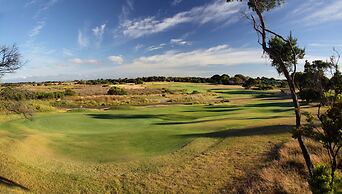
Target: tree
312, 83
328, 131
10, 59
225, 79
284, 54
249, 83
216, 79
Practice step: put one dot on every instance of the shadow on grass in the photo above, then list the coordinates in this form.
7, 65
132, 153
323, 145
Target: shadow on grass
266, 130
141, 116
9, 183
122, 116
219, 119
244, 92
271, 104
212, 109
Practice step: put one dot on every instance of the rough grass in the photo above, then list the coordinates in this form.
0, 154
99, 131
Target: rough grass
285, 172
147, 149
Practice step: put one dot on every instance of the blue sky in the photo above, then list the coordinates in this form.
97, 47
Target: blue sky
88, 39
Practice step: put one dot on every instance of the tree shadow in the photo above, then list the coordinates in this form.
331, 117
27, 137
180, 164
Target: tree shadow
253, 131
271, 104
141, 116
245, 92
12, 184
190, 122
282, 110
219, 109
122, 116
219, 119
273, 96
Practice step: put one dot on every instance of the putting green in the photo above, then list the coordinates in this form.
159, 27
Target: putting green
139, 132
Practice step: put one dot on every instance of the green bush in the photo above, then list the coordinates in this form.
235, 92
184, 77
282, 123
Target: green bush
69, 92
265, 87
116, 91
310, 95
195, 92
320, 180
138, 81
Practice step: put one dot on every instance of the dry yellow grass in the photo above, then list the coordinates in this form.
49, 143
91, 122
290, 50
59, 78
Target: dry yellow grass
286, 173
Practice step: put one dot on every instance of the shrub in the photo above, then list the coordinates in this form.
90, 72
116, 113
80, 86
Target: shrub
195, 92
265, 87
320, 180
69, 92
310, 95
138, 81
116, 91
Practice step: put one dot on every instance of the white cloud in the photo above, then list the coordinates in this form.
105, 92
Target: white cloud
49, 4
37, 29
98, 32
44, 7
153, 48
31, 2
331, 45
126, 9
67, 52
316, 12
175, 60
217, 11
176, 2
79, 61
138, 47
116, 59
82, 39
180, 42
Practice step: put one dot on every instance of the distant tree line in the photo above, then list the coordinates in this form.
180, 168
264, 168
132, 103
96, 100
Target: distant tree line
224, 79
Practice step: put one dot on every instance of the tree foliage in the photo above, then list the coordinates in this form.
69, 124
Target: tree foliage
312, 83
262, 5
10, 59
285, 53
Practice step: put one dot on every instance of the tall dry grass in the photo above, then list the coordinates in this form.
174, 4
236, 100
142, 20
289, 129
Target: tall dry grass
286, 172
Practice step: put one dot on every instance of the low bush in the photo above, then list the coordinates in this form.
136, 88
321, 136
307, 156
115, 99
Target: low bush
321, 177
310, 95
116, 91
69, 92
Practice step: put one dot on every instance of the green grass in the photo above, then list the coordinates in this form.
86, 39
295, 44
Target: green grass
139, 149
122, 135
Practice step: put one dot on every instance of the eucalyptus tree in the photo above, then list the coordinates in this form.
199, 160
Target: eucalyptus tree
284, 55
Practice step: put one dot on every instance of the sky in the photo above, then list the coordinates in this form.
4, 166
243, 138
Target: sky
90, 39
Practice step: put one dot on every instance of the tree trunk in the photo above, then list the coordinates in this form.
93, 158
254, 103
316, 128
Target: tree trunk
296, 105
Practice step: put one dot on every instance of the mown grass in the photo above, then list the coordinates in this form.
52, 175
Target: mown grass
177, 148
